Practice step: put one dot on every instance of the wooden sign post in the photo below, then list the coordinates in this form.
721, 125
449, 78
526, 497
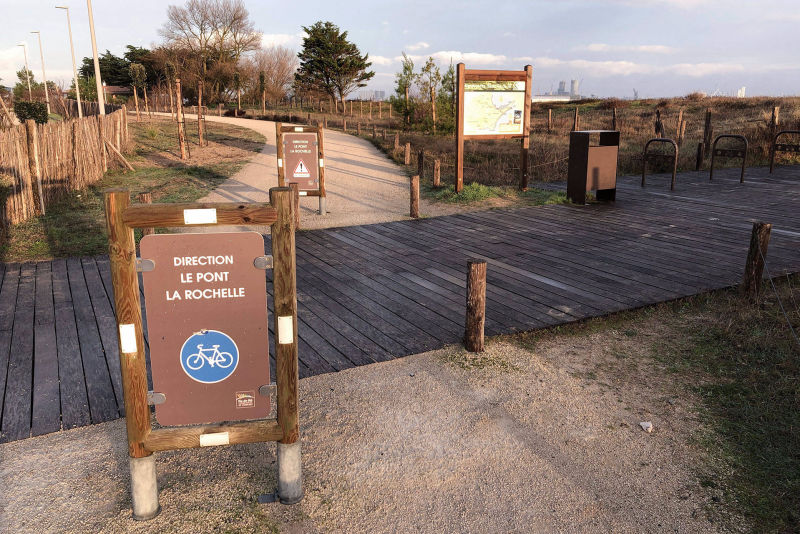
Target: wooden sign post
143, 440
301, 160
493, 104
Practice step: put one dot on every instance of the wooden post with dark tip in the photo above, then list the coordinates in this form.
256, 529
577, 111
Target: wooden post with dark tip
756, 256
344, 125
146, 198
407, 158
525, 147
421, 163
549, 120
476, 306
34, 162
295, 187
396, 141
414, 197
576, 121
459, 163
614, 119
437, 173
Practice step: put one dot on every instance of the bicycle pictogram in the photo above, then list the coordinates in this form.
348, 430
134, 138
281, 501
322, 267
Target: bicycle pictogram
198, 360
209, 356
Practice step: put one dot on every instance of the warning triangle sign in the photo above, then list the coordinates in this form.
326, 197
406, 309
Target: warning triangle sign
301, 171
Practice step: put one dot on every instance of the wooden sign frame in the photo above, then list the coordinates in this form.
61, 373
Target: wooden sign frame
465, 75
143, 440
281, 129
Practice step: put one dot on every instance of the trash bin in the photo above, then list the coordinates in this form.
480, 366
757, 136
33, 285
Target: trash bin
592, 167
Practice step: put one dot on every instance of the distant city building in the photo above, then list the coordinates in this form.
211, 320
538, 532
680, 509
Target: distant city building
740, 93
561, 95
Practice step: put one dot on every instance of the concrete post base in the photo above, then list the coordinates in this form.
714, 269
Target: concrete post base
322, 208
144, 488
290, 473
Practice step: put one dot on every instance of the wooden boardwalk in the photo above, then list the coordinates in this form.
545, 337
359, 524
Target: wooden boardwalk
377, 292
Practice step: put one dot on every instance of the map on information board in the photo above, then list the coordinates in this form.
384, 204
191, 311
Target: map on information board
494, 107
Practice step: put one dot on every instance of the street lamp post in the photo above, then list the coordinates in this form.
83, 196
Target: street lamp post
101, 102
27, 71
74, 68
44, 74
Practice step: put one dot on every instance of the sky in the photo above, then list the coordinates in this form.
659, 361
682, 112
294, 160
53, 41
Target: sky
613, 47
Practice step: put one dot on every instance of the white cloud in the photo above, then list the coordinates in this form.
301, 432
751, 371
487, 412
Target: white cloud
652, 49
381, 60
523, 58
421, 45
282, 39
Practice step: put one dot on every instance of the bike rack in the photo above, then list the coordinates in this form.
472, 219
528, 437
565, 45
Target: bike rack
654, 155
729, 153
781, 147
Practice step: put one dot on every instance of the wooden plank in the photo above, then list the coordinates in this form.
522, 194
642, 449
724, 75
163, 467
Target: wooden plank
8, 300
46, 416
106, 326
74, 399
100, 393
16, 423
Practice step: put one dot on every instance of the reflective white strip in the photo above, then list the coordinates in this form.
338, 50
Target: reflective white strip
200, 216
321, 164
218, 438
298, 128
127, 338
303, 193
280, 162
285, 330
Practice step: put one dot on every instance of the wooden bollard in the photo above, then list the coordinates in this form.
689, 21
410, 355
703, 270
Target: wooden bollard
344, 125
437, 173
397, 141
756, 257
324, 122
421, 163
358, 129
576, 121
374, 132
384, 134
614, 119
146, 198
295, 187
407, 158
414, 198
476, 305
549, 120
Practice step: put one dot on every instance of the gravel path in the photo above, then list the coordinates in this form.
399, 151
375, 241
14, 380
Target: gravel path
362, 184
525, 442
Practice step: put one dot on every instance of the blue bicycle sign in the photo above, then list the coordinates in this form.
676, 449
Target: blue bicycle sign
209, 356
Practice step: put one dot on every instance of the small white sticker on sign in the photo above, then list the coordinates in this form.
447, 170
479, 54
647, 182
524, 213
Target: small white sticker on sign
127, 338
303, 193
298, 128
321, 164
285, 330
280, 162
217, 438
200, 216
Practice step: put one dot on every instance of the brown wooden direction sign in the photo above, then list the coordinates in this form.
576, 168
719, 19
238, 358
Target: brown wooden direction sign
206, 305
300, 158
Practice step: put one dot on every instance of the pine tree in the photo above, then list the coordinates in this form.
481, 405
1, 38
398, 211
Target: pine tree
330, 63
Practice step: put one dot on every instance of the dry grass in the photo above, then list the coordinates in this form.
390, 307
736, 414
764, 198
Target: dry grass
497, 162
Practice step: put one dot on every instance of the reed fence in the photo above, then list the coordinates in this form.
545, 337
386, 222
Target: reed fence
40, 163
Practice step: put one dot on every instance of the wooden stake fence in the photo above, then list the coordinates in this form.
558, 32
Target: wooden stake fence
44, 162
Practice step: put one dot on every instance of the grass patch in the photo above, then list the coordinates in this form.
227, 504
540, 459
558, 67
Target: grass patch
475, 192
743, 364
75, 225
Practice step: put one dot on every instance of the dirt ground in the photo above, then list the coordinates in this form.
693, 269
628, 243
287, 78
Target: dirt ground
542, 439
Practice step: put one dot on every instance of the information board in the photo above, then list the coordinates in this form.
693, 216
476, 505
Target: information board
494, 107
206, 306
301, 159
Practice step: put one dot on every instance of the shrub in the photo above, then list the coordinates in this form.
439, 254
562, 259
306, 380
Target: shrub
695, 97
31, 110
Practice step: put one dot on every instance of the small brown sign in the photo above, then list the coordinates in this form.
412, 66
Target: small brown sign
206, 308
301, 159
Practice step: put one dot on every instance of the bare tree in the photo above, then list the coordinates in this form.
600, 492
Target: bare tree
278, 65
210, 37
